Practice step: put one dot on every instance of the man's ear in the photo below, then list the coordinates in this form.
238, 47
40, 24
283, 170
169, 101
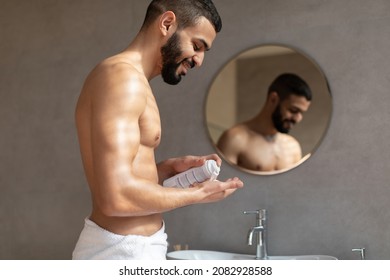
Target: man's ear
274, 98
167, 22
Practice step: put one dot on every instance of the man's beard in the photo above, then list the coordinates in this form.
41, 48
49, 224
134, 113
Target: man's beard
170, 52
278, 121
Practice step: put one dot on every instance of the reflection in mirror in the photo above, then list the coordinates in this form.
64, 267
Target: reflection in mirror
268, 109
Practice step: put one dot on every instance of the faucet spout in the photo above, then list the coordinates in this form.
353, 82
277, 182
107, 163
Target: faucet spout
260, 230
252, 231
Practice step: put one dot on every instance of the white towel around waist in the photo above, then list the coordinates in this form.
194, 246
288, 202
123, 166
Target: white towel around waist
96, 243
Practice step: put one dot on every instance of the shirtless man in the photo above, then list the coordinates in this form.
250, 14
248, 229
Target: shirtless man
262, 143
118, 126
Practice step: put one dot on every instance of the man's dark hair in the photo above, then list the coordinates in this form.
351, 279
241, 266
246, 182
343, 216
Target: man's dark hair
287, 84
187, 12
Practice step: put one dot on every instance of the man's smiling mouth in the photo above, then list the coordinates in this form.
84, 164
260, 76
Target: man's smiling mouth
187, 64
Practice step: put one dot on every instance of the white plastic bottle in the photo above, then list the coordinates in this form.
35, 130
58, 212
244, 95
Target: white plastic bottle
208, 171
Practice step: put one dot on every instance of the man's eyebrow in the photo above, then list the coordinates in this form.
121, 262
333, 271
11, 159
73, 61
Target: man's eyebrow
205, 45
298, 109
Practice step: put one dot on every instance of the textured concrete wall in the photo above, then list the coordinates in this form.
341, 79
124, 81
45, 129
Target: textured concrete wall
335, 201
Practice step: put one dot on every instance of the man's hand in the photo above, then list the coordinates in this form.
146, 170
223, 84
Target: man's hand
173, 166
212, 191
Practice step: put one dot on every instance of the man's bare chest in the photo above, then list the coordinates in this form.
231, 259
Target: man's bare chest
150, 126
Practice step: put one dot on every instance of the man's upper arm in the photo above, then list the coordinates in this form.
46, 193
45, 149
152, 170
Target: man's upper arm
115, 134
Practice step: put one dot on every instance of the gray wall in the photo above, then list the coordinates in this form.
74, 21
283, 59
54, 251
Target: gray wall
335, 201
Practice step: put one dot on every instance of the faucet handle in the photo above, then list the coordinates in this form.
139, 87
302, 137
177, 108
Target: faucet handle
261, 214
251, 212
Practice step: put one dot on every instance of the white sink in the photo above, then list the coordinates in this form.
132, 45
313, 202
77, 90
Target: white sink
206, 255
216, 255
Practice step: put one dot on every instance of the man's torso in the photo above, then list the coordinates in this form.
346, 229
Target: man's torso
142, 165
268, 154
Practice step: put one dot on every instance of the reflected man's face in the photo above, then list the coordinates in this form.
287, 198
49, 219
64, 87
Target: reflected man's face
289, 112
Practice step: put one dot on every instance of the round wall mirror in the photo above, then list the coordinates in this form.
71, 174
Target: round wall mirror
268, 109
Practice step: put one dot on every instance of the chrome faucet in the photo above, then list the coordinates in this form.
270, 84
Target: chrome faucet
362, 252
260, 229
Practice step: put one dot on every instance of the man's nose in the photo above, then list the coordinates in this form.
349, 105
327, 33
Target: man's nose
198, 59
298, 117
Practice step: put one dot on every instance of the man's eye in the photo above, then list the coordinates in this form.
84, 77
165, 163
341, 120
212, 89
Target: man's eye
196, 48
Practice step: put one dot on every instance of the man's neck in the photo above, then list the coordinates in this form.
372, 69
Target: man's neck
146, 55
263, 125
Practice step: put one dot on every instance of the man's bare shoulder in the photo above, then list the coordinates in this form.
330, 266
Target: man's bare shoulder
290, 144
115, 85
238, 130
118, 69
288, 139
236, 136
118, 76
